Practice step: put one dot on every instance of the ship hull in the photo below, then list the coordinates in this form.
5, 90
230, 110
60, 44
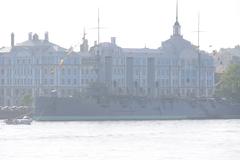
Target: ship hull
77, 109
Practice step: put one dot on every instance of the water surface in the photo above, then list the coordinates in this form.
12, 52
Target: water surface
122, 140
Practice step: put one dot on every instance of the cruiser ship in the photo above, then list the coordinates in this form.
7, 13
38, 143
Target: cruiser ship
132, 108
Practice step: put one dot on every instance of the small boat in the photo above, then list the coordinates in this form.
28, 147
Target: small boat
25, 120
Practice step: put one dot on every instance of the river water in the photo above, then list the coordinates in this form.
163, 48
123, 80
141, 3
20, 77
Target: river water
122, 140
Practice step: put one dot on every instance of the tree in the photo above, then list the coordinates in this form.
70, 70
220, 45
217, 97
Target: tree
230, 83
97, 89
27, 100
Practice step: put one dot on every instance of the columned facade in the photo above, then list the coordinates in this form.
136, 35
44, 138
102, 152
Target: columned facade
40, 68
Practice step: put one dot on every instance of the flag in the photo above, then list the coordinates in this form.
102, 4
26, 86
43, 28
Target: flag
61, 62
69, 51
214, 52
52, 70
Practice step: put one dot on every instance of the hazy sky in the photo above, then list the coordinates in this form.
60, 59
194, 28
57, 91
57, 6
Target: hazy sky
134, 22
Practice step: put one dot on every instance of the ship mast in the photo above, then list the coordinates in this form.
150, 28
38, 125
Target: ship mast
98, 28
199, 58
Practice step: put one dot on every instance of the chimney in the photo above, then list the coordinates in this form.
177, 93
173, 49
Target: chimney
46, 36
113, 40
12, 39
30, 36
35, 37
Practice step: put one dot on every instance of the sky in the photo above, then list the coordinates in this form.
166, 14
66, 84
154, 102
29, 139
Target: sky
134, 23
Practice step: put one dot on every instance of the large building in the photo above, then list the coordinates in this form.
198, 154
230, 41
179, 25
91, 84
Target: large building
177, 68
38, 67
226, 57
33, 68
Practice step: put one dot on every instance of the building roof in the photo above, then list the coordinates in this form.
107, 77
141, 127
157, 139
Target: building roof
40, 43
176, 44
140, 50
5, 49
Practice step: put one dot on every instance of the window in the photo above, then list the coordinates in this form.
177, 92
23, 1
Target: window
2, 71
2, 81
63, 71
45, 71
51, 81
69, 71
45, 81
63, 81
182, 62
75, 71
75, 61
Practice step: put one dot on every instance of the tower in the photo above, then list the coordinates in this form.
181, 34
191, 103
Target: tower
12, 39
84, 46
46, 37
176, 26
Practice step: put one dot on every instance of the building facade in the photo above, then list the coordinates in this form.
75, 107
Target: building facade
38, 67
177, 68
226, 57
32, 68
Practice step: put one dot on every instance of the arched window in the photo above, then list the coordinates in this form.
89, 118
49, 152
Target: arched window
114, 84
135, 84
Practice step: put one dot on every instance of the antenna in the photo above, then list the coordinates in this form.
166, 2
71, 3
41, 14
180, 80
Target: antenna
177, 11
198, 31
84, 33
98, 28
